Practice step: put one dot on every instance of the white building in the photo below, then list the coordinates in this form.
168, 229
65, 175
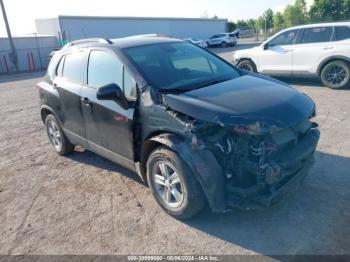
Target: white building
68, 28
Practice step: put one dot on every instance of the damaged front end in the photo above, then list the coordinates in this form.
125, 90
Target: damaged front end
261, 162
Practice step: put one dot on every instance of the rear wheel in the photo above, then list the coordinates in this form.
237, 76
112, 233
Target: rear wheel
173, 184
336, 74
247, 65
56, 136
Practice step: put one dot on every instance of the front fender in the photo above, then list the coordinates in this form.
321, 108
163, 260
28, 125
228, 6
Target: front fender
203, 165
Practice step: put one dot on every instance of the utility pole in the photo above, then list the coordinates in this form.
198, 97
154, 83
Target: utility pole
38, 50
13, 56
265, 27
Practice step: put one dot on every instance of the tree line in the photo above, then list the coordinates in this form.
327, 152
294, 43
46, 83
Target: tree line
297, 14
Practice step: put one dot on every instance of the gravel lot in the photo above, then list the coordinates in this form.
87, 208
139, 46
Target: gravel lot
84, 204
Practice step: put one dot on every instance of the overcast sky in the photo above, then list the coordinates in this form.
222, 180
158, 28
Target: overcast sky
22, 13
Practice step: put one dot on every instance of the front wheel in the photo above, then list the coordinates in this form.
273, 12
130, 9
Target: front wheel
336, 74
223, 44
247, 65
173, 184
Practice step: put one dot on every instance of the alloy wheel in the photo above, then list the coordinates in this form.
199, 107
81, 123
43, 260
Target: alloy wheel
168, 184
246, 66
336, 75
54, 135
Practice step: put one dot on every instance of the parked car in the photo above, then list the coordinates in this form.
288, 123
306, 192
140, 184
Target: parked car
317, 50
222, 40
247, 32
195, 127
236, 32
198, 42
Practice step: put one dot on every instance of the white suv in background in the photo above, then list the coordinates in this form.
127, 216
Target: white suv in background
223, 40
321, 50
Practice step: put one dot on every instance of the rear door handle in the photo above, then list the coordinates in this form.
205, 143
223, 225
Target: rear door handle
328, 47
55, 86
85, 101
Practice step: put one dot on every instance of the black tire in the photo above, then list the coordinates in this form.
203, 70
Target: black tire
247, 65
336, 74
193, 199
64, 146
223, 44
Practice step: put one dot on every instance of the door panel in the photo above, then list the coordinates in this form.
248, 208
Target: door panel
107, 125
69, 108
315, 45
276, 60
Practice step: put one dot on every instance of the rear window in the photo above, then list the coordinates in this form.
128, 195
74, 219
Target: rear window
73, 66
342, 33
317, 35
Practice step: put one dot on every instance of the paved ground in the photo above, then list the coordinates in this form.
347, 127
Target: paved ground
84, 204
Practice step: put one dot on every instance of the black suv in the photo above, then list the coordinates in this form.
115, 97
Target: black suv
198, 129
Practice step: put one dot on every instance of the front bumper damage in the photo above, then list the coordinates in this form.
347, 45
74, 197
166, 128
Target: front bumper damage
246, 165
274, 183
258, 170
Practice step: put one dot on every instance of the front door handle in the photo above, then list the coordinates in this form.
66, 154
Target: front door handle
55, 86
328, 47
85, 101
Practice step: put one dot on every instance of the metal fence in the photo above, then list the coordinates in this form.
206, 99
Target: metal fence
32, 54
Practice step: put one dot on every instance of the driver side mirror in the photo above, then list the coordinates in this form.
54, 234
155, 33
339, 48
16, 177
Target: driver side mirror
112, 92
266, 46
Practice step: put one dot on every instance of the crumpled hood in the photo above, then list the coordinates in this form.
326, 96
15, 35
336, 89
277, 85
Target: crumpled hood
247, 98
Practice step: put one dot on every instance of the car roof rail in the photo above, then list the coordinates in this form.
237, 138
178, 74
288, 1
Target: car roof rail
89, 40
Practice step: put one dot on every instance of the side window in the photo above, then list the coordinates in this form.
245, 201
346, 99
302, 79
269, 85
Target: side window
73, 65
51, 69
317, 35
286, 38
59, 69
128, 84
104, 68
342, 33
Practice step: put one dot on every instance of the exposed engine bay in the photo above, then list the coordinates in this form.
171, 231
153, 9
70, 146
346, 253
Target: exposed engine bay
256, 163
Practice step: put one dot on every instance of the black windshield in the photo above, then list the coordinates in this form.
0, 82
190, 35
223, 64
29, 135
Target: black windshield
179, 66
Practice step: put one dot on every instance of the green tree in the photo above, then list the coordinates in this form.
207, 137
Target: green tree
251, 23
242, 24
260, 24
301, 4
268, 15
232, 26
293, 15
278, 21
330, 10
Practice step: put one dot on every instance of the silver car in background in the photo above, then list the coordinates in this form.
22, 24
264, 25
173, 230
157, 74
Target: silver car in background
222, 40
198, 42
